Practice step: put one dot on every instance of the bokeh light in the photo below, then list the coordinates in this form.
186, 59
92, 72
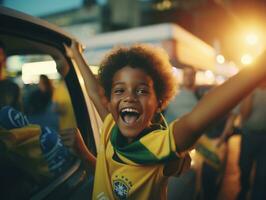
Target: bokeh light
246, 59
220, 59
251, 39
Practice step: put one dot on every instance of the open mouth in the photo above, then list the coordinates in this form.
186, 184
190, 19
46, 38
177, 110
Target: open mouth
129, 115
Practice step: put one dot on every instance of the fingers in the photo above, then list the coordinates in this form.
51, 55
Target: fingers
68, 51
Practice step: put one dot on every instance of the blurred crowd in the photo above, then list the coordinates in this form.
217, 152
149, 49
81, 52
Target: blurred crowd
230, 155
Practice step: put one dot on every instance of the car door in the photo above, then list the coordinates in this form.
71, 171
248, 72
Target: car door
33, 48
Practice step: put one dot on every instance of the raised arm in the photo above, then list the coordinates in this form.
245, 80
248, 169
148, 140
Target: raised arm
216, 103
95, 91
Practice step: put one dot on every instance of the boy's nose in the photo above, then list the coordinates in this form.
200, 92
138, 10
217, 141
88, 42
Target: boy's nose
130, 97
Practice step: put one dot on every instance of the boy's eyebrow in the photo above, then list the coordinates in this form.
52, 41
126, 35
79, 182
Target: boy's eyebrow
123, 83
145, 84
118, 83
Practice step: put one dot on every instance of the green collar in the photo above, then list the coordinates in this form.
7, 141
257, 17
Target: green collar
135, 151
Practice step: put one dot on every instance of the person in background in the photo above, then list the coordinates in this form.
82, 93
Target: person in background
212, 174
10, 91
252, 114
186, 99
46, 86
41, 109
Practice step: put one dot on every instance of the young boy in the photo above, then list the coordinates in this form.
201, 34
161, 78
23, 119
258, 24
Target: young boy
137, 152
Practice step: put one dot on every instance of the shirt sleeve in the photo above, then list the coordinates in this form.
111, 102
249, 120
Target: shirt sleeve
161, 144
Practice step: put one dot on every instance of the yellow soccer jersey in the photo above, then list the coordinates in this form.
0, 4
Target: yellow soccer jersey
129, 179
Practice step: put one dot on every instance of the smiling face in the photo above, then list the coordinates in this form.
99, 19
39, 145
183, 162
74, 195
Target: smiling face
133, 101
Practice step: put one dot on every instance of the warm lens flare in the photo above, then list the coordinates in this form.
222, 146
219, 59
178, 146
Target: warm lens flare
246, 59
251, 39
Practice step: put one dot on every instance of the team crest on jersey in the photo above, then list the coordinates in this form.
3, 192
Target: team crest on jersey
121, 187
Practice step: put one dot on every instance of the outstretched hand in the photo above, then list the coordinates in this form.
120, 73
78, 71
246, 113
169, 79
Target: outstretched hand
70, 50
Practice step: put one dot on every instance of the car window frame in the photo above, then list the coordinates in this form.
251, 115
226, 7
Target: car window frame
42, 32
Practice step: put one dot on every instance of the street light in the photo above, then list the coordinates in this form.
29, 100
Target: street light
246, 59
220, 59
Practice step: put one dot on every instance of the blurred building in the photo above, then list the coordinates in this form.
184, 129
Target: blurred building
213, 21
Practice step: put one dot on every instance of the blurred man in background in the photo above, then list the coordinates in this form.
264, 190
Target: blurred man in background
186, 98
253, 144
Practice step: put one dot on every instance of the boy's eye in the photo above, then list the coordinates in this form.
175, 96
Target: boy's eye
118, 91
142, 91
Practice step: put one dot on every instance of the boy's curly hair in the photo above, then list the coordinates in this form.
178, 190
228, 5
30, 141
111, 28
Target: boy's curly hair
152, 60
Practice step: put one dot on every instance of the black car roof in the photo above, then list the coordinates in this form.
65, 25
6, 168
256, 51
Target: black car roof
28, 27
13, 14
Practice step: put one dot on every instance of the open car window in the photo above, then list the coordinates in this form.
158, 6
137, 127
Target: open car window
26, 70
35, 162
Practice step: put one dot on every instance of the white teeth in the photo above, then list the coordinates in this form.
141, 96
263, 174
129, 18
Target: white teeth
130, 110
